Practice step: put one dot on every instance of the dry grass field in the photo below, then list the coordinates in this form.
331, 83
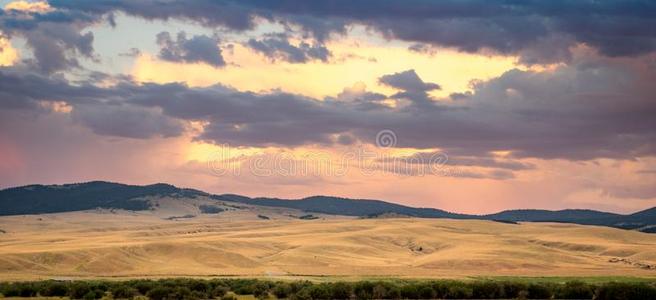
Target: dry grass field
239, 243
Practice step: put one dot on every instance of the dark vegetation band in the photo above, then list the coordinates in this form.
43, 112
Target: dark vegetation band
184, 288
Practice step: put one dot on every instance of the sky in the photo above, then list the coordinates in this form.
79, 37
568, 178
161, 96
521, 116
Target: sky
469, 106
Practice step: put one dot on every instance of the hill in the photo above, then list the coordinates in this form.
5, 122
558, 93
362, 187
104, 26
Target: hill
345, 207
37, 199
541, 215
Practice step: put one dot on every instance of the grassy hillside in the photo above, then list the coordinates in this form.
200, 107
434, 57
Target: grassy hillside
346, 207
36, 199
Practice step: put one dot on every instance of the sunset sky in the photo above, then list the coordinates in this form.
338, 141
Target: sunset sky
470, 106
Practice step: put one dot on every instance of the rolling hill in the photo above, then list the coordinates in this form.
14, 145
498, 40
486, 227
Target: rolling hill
123, 244
39, 199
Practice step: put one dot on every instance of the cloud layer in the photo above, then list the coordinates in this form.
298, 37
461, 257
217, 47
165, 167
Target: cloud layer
593, 108
197, 49
538, 31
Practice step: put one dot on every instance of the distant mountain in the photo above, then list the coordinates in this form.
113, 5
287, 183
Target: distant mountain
344, 206
37, 199
540, 215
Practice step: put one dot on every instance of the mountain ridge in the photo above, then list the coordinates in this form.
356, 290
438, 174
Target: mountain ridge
38, 199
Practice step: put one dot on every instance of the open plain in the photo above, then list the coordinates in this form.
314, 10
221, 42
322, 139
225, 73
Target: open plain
239, 242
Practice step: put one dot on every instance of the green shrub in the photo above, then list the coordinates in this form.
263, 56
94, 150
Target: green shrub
341, 290
297, 286
243, 286
302, 294
78, 290
143, 286
540, 291
198, 295
220, 291
160, 293
199, 286
514, 289
575, 290
488, 290
459, 291
91, 295
426, 292
409, 291
319, 291
619, 290
363, 290
54, 289
124, 292
393, 292
282, 290
261, 290
10, 291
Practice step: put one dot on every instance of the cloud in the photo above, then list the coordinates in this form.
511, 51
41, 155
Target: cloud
55, 37
359, 98
440, 163
52, 44
197, 49
233, 15
408, 81
413, 88
103, 110
278, 47
126, 121
595, 107
132, 52
423, 48
540, 32
36, 7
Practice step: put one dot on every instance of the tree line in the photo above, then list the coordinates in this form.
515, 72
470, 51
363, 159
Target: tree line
190, 289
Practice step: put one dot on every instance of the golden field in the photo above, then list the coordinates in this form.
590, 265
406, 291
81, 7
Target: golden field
238, 243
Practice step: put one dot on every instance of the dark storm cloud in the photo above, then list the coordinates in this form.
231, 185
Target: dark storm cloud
278, 47
595, 107
55, 46
539, 31
233, 15
413, 88
408, 81
197, 49
103, 110
56, 37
